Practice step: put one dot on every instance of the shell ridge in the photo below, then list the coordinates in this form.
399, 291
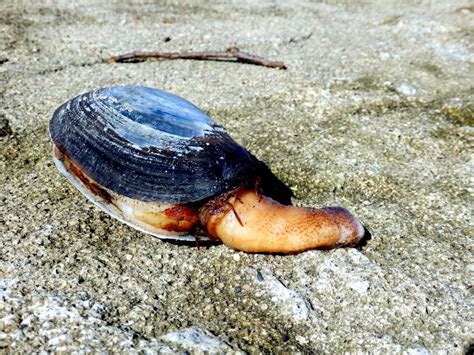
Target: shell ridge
146, 136
159, 112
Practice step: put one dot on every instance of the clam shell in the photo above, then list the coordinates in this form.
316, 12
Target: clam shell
134, 149
150, 145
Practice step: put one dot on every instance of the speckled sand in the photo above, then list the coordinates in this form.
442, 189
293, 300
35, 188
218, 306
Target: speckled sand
375, 113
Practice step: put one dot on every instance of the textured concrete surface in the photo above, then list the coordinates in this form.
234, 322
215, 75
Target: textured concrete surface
375, 113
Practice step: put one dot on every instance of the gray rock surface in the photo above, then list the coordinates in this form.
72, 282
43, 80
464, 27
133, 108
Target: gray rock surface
375, 113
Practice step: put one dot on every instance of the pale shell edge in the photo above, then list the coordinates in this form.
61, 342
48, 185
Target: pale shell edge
112, 212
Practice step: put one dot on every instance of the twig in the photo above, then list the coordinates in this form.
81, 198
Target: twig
233, 54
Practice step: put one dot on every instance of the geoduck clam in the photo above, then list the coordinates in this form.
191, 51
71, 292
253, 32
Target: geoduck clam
159, 164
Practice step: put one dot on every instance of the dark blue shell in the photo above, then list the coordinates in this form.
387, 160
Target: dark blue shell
150, 145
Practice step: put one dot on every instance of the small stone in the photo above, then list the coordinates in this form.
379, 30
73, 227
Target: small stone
470, 268
406, 90
302, 340
359, 286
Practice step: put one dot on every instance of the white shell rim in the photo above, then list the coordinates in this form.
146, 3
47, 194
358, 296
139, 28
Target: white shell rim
96, 200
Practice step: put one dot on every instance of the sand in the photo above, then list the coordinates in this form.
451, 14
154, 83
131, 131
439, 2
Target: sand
374, 113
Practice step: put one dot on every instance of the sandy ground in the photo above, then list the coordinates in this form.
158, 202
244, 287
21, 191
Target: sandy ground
375, 113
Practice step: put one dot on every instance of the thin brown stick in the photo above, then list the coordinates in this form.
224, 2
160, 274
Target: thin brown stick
233, 54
